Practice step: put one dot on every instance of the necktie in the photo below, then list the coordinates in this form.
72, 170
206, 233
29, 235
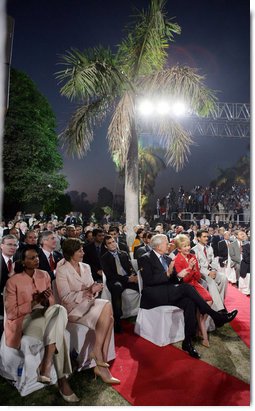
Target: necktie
52, 262
163, 262
205, 252
120, 269
98, 250
9, 265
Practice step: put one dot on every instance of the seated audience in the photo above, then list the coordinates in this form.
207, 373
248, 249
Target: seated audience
185, 260
8, 246
216, 280
120, 275
77, 292
161, 286
30, 310
236, 251
121, 244
48, 256
138, 239
93, 253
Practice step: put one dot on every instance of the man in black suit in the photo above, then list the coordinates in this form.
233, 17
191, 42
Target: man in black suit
48, 257
223, 246
144, 248
122, 245
120, 275
9, 244
93, 253
162, 286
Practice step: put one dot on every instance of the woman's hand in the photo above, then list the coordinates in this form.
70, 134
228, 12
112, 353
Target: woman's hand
97, 287
192, 263
183, 273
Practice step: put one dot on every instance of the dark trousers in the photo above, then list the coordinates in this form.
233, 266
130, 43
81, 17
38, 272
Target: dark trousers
116, 289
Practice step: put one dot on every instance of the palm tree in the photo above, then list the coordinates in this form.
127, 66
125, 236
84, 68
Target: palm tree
150, 165
104, 82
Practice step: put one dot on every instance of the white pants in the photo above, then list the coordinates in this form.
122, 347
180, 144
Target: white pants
49, 327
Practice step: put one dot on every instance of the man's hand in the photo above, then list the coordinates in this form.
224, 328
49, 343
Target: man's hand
212, 274
100, 272
170, 268
133, 278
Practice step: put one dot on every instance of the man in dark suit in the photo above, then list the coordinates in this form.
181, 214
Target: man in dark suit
122, 245
48, 257
144, 248
93, 253
162, 286
9, 244
120, 275
223, 246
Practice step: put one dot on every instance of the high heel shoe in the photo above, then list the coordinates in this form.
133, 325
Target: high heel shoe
42, 378
98, 362
70, 398
110, 380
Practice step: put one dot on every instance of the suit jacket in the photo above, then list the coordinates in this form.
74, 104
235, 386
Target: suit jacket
123, 246
214, 243
222, 251
141, 251
110, 269
70, 287
245, 263
234, 252
94, 261
203, 261
155, 291
18, 297
44, 262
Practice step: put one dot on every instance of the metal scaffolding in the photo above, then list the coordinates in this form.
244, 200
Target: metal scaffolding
228, 120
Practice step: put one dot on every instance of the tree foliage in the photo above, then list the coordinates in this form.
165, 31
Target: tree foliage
31, 162
238, 174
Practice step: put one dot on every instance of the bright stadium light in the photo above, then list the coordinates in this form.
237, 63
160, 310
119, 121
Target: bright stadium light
145, 107
179, 108
162, 107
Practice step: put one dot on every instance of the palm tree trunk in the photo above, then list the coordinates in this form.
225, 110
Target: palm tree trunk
132, 188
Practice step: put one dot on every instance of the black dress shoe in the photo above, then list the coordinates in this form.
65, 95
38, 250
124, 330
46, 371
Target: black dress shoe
187, 346
225, 318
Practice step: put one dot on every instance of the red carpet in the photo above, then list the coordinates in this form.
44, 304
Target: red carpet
241, 324
165, 376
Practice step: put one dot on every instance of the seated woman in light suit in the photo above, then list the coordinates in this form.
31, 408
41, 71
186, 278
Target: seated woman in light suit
30, 310
77, 292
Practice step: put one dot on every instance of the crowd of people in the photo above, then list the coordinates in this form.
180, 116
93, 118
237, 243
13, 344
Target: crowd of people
186, 265
220, 204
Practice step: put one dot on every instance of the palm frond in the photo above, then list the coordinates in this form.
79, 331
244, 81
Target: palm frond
176, 142
89, 74
78, 135
179, 82
120, 129
144, 49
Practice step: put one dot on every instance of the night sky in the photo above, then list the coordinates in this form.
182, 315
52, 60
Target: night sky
215, 38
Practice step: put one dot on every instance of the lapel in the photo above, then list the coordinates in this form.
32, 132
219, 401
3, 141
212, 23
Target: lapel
72, 272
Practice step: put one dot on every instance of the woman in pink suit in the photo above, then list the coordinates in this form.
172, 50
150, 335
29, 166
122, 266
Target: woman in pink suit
185, 260
30, 310
77, 292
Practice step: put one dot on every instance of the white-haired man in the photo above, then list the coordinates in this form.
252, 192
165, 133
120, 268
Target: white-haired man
162, 286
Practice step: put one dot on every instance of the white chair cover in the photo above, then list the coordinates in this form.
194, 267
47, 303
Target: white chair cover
244, 284
20, 365
230, 271
82, 341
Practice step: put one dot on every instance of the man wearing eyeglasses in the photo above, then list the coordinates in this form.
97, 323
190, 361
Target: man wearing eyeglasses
8, 246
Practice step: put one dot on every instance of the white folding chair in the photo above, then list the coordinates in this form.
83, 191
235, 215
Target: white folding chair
161, 325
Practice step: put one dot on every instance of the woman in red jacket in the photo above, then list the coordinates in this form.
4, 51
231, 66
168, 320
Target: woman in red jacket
186, 260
